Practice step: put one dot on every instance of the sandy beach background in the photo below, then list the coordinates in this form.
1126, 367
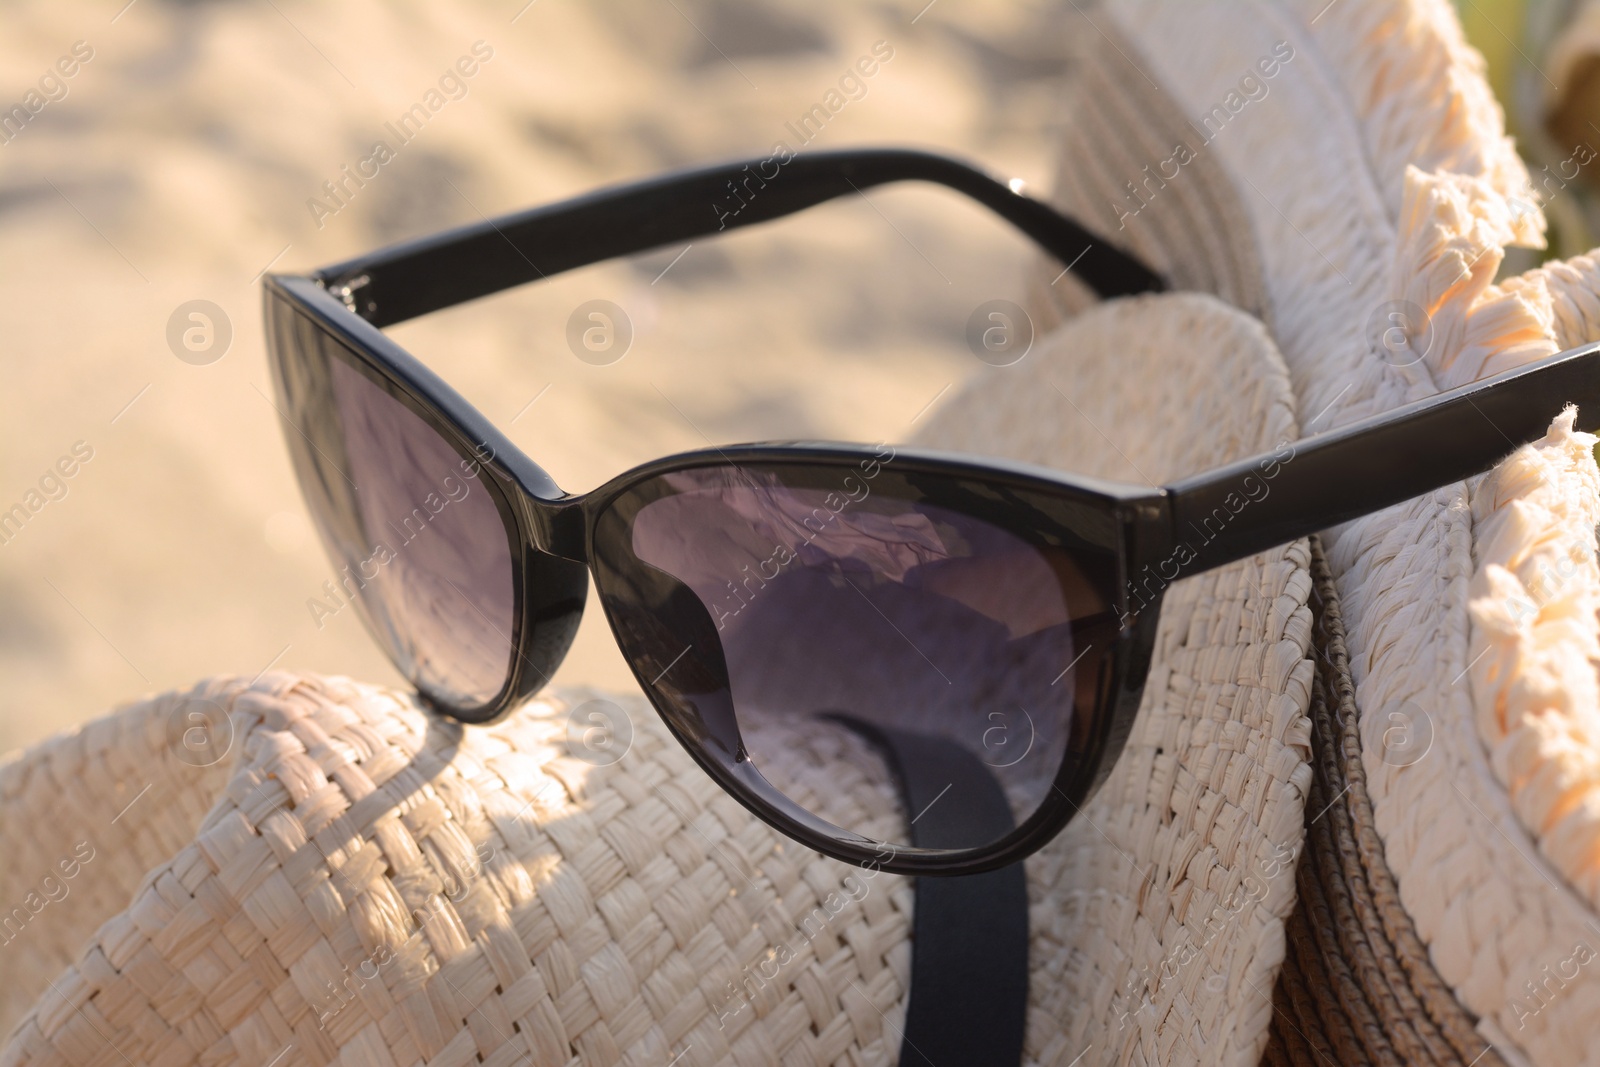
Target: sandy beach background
181, 159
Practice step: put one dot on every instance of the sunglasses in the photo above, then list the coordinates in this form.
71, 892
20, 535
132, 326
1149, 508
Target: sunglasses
951, 620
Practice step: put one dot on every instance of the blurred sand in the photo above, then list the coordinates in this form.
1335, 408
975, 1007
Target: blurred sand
179, 165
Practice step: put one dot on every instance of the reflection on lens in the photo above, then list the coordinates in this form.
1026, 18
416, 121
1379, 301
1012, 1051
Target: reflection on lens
853, 592
412, 524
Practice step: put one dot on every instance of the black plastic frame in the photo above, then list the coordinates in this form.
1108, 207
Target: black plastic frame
1157, 534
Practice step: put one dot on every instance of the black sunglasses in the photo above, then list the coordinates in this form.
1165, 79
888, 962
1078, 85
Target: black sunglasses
769, 596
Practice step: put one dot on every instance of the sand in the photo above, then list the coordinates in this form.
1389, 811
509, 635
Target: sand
182, 159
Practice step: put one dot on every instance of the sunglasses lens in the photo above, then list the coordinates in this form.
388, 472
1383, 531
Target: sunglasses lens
779, 609
410, 519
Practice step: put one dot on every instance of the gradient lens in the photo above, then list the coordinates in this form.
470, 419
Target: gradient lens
767, 602
410, 519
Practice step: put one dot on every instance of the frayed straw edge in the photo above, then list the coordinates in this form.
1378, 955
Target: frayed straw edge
1420, 92
1452, 233
1533, 605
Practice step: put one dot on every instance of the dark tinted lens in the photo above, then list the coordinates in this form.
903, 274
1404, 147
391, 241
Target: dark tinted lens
804, 594
410, 521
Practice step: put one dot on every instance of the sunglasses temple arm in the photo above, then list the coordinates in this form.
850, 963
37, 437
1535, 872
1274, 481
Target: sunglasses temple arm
1306, 486
412, 279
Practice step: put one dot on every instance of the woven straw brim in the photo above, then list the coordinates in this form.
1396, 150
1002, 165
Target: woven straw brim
359, 881
1193, 229
1357, 985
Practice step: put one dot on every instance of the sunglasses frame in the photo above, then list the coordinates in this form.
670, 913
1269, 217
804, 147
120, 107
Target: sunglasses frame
544, 522
1158, 535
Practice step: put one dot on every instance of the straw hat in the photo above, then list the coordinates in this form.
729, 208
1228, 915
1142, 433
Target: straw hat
1341, 170
299, 869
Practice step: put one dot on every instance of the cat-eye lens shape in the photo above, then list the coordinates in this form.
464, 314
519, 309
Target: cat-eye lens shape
803, 614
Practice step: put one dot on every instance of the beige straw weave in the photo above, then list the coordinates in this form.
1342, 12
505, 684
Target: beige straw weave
367, 882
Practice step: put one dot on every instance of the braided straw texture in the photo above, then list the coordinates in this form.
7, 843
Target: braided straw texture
1574, 288
359, 881
1417, 193
1158, 915
1118, 132
1357, 986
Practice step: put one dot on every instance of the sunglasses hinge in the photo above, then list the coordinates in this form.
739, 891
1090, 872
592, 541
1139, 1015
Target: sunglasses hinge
1148, 562
345, 289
